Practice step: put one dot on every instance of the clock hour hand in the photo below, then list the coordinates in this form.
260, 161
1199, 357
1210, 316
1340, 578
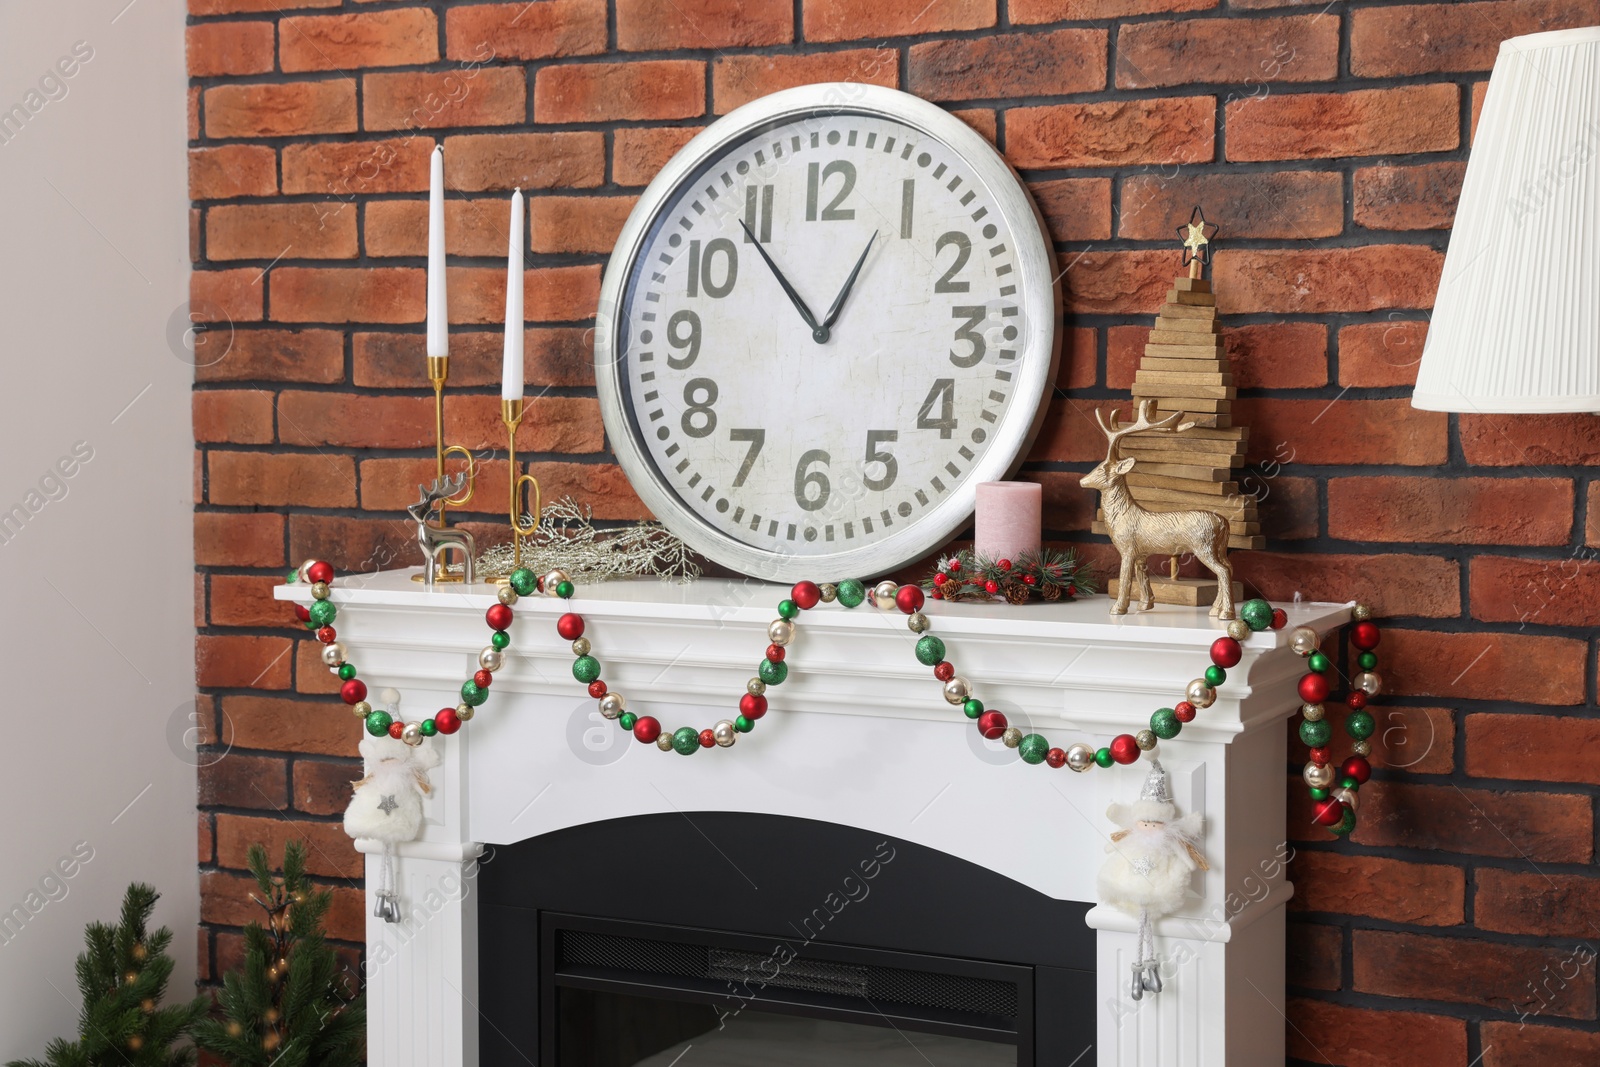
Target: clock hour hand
818, 333
838, 301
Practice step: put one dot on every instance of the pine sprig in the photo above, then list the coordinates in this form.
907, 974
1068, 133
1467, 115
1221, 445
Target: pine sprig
1048, 573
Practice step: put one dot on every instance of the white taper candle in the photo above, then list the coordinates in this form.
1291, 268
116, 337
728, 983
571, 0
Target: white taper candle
512, 375
438, 303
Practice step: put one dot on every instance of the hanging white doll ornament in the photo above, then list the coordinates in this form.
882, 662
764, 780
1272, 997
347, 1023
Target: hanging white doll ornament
387, 805
1147, 874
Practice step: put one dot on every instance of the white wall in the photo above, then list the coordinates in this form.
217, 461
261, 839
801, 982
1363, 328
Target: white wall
97, 647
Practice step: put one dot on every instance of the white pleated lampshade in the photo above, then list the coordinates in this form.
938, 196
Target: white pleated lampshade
1516, 325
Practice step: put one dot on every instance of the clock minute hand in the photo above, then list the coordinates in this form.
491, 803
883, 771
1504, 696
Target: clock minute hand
838, 301
819, 333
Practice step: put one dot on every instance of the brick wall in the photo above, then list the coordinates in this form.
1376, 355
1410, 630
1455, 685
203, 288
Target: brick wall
1328, 141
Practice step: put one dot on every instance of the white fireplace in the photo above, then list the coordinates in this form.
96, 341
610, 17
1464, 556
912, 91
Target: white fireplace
858, 736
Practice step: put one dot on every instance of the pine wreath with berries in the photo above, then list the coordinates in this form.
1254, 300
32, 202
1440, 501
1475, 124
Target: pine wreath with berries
1048, 573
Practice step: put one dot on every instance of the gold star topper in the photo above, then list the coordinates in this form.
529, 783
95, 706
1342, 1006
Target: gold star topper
1196, 237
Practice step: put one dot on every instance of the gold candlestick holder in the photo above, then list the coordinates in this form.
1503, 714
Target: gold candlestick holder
511, 412
438, 374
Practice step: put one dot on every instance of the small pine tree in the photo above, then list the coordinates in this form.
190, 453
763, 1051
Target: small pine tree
123, 977
288, 1005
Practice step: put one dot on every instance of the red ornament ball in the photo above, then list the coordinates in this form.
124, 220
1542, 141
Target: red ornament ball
1225, 652
944, 670
1056, 757
1328, 812
447, 720
327, 635
302, 613
775, 653
483, 679
752, 706
1124, 749
909, 599
991, 724
940, 579
1321, 754
1357, 699
1184, 711
1313, 688
569, 626
707, 739
1280, 618
806, 595
320, 572
353, 692
597, 689
498, 617
1356, 767
1364, 635
646, 728
396, 728
1004, 564
991, 587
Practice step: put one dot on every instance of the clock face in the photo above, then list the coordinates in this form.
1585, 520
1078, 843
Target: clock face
830, 322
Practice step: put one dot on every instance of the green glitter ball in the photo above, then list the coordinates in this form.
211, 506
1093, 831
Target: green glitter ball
378, 723
1367, 661
1033, 748
1257, 614
686, 741
473, 694
428, 727
1346, 824
292, 577
627, 719
586, 669
323, 612
524, 581
1318, 662
347, 671
744, 724
1215, 676
930, 650
1315, 734
1103, 757
851, 592
1164, 724
788, 609
1319, 794
564, 590
1359, 725
773, 673
500, 639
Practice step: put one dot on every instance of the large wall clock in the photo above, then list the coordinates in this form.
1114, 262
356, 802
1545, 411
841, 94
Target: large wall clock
829, 317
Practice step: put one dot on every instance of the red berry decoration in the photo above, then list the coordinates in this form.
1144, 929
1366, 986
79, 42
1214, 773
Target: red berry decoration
940, 579
707, 739
1184, 711
1364, 635
483, 679
944, 670
320, 572
1313, 688
954, 565
397, 728
806, 595
447, 720
991, 587
1356, 767
569, 626
1321, 755
1028, 579
646, 728
353, 692
1357, 699
302, 613
1124, 749
991, 724
775, 653
597, 689
1056, 757
1280, 618
1328, 812
936, 595
498, 617
327, 635
908, 599
1004, 564
1225, 652
752, 706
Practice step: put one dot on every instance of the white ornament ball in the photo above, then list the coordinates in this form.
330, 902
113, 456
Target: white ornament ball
725, 733
491, 659
1369, 682
412, 734
1080, 757
613, 705
1349, 796
1304, 640
957, 690
1200, 694
781, 632
553, 579
883, 594
333, 656
1318, 775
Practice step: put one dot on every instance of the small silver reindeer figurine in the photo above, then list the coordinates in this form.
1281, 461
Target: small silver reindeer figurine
1138, 533
436, 540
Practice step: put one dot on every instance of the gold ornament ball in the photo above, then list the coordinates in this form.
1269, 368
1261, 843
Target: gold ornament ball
581, 647
1239, 630
828, 591
1361, 613
1012, 737
1362, 748
491, 659
1350, 798
333, 656
725, 734
1369, 682
1145, 739
957, 690
1304, 640
507, 595
883, 594
411, 734
1312, 712
361, 709
319, 590
1080, 757
664, 742
1318, 775
465, 712
918, 622
613, 705
1200, 694
780, 632
755, 687
553, 579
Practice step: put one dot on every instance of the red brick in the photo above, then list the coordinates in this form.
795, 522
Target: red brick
1124, 350
1544, 748
1485, 666
322, 788
1278, 355
1030, 11
426, 100
601, 485
847, 20
346, 420
246, 600
561, 294
286, 724
649, 26
373, 39
1520, 1044
1361, 1037
221, 48
355, 546
376, 294
391, 484
1009, 65
1381, 353
241, 661
477, 295
1479, 91
1422, 894
560, 356
1424, 39
483, 162
1069, 434
310, 676
288, 231
261, 478
1315, 956
357, 168
1314, 281
472, 227
1079, 366
232, 170
737, 80
276, 355
289, 109
1297, 204
238, 781
1342, 432
1124, 283
232, 7
1543, 592
1531, 440
1075, 209
328, 851
225, 296
1427, 586
1540, 903
1471, 511
637, 154
1296, 48
1113, 133
193, 115
1591, 527
1486, 974
205, 841
602, 92
237, 416
1295, 514
1361, 122
1408, 198
526, 31
983, 120
249, 539
576, 223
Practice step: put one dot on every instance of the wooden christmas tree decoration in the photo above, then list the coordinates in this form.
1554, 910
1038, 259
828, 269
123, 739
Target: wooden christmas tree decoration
1185, 369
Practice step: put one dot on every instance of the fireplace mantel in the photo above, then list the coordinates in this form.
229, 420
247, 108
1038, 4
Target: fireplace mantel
858, 735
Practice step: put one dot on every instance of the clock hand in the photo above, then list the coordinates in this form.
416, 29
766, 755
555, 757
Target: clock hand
838, 301
818, 333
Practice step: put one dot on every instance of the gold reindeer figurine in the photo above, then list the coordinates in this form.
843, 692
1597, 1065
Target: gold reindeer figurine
1138, 533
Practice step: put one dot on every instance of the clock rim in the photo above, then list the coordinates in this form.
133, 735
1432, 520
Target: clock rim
1038, 279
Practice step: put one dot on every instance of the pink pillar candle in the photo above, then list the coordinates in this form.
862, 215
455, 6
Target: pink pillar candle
1008, 521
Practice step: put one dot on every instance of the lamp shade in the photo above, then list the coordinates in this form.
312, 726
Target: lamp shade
1516, 324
